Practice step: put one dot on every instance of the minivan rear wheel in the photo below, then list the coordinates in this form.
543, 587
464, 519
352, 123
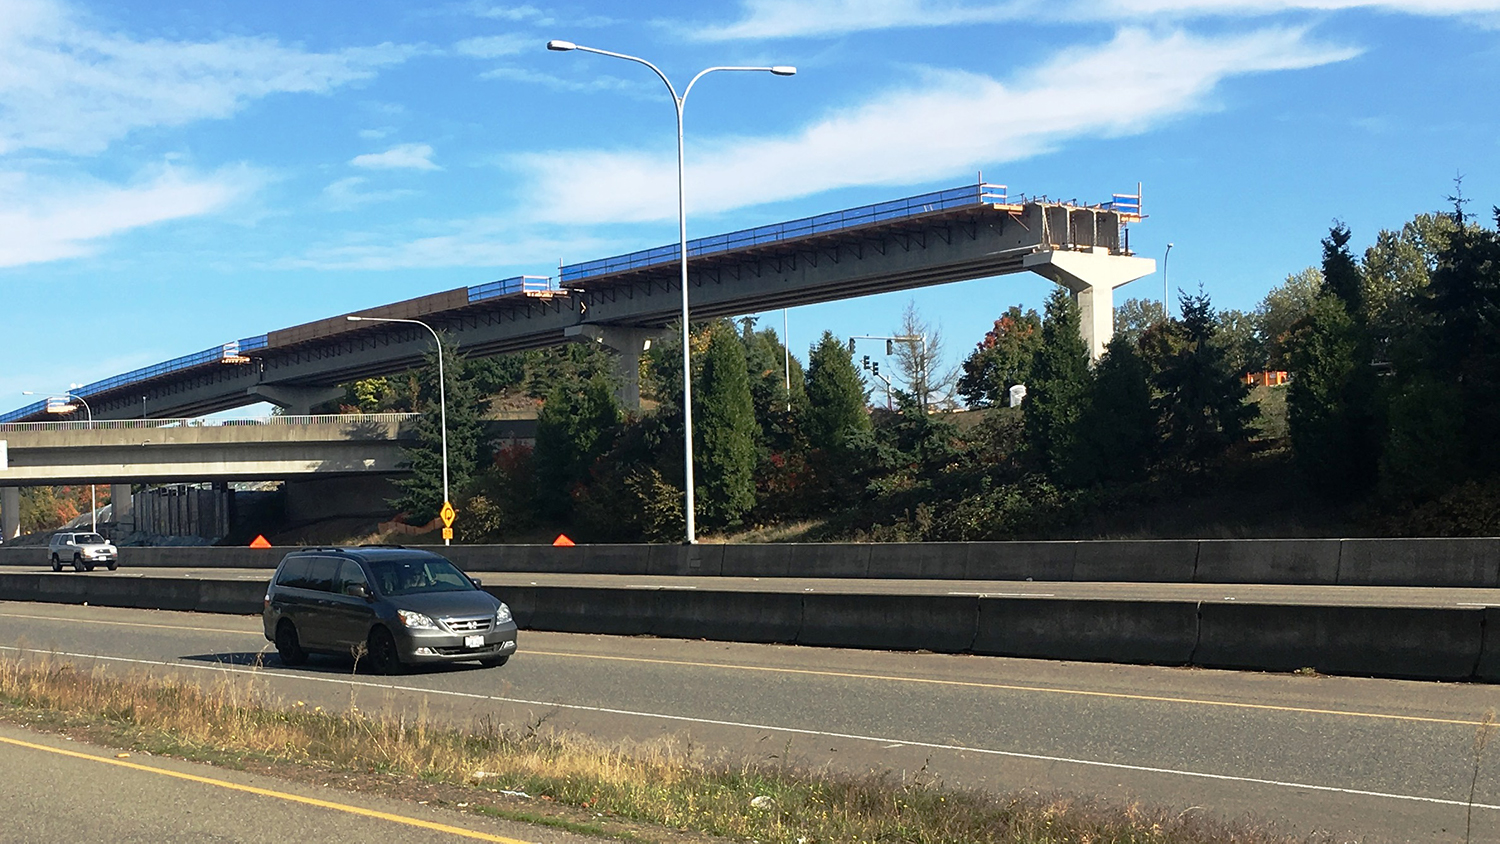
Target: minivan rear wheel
384, 657
288, 646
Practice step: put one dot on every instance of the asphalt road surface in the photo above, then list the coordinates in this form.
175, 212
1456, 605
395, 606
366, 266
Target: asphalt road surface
63, 791
1381, 760
1380, 596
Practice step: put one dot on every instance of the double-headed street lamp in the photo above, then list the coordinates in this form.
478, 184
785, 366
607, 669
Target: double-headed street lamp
687, 370
442, 395
93, 494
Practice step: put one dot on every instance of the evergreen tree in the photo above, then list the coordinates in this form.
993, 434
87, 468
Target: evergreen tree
1117, 429
724, 429
1059, 386
835, 396
1281, 310
1202, 401
1331, 404
1133, 316
422, 491
1002, 359
577, 424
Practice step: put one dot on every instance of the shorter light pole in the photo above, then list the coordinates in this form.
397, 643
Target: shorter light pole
921, 362
442, 394
93, 492
1166, 296
786, 350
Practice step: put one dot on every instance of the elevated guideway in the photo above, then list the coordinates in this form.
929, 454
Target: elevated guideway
976, 231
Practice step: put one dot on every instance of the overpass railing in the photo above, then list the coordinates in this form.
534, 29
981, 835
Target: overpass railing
864, 215
270, 421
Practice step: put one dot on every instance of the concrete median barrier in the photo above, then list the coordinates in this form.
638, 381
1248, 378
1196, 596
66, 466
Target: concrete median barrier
685, 560
614, 559
1409, 642
201, 556
756, 561
236, 597
816, 559
1420, 562
612, 612
1149, 632
1136, 561
1290, 561
1046, 561
727, 616
20, 587
940, 623
919, 560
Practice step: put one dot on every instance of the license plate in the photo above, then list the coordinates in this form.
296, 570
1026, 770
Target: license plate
473, 641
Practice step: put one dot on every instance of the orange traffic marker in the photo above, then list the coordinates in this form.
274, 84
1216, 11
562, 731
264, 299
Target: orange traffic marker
260, 541
562, 541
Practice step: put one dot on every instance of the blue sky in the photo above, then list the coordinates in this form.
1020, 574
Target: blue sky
174, 175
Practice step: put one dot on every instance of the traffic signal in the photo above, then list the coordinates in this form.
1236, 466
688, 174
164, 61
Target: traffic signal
890, 347
875, 368
866, 362
851, 345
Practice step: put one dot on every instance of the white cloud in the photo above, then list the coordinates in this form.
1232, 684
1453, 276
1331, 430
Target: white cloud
399, 157
948, 123
485, 242
67, 88
593, 83
509, 13
351, 193
376, 134
48, 220
496, 46
823, 18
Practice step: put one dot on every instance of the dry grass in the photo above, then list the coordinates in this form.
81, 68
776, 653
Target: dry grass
661, 783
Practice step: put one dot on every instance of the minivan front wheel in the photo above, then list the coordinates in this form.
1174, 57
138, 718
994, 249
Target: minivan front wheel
384, 657
288, 646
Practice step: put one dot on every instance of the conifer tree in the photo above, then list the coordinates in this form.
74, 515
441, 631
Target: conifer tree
725, 430
1117, 429
835, 396
1202, 402
578, 422
422, 491
1059, 386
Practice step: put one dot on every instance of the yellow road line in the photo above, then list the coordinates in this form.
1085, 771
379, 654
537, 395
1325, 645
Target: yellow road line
1008, 687
279, 795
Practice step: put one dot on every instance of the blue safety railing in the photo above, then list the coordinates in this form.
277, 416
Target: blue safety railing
896, 209
510, 286
208, 356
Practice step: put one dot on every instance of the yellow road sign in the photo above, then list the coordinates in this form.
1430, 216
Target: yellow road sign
447, 533
447, 514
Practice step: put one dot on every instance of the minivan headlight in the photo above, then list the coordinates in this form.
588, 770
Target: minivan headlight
502, 615
415, 620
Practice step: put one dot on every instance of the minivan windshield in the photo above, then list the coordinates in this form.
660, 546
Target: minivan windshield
417, 575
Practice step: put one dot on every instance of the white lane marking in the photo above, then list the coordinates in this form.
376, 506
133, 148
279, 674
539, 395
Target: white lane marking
1011, 754
1004, 594
1473, 604
653, 586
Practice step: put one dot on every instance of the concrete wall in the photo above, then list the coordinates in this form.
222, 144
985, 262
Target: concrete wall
1361, 562
1420, 643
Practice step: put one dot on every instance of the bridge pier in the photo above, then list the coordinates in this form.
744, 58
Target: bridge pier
10, 512
1092, 276
628, 344
122, 508
296, 401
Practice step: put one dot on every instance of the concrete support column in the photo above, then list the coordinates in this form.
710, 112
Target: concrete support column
628, 344
10, 512
122, 505
296, 401
1092, 276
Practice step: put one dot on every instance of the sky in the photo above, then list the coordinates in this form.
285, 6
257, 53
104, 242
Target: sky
175, 175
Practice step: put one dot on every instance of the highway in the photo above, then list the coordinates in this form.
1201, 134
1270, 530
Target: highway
1379, 759
1375, 596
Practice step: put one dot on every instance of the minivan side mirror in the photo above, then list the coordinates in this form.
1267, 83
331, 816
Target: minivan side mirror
358, 590
477, 584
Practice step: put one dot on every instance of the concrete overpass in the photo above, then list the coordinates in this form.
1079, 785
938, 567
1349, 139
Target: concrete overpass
121, 452
976, 231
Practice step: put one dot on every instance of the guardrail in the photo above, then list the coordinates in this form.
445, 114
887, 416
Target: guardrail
273, 421
510, 287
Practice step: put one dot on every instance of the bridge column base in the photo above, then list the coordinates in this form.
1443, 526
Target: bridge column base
10, 512
122, 508
296, 401
1092, 276
628, 344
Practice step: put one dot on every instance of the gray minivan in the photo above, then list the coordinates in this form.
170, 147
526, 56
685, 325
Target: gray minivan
396, 606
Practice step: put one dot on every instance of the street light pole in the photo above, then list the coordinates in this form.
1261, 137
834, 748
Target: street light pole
442, 392
93, 489
1166, 296
687, 369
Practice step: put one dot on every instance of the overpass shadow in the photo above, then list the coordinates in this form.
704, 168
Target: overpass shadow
322, 665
